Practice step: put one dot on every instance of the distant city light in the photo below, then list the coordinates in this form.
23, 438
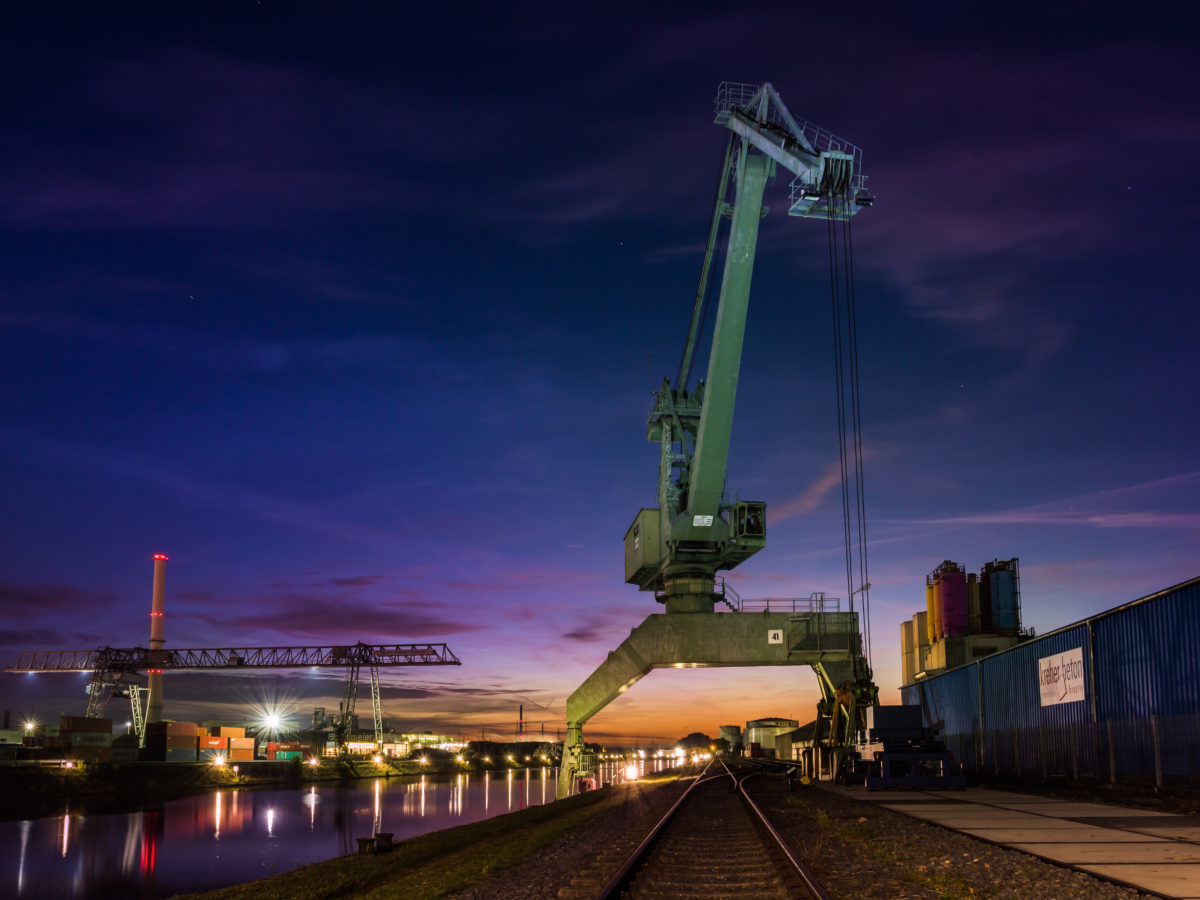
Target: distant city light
313, 761
218, 761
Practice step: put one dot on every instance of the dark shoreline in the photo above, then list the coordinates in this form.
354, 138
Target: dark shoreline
34, 792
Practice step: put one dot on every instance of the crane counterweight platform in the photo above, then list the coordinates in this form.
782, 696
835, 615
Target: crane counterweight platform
676, 548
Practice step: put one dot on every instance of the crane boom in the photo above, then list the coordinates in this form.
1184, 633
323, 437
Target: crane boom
675, 548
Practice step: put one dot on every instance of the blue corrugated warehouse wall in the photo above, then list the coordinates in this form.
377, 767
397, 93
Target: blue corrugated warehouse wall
1140, 713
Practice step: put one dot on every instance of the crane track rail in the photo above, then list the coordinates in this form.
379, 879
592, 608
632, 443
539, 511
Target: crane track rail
714, 842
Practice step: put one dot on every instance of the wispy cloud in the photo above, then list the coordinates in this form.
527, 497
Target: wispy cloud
189, 486
810, 498
1099, 509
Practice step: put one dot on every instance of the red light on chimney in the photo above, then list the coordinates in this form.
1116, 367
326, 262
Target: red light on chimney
160, 556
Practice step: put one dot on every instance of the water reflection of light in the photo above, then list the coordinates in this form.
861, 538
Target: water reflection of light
271, 822
66, 833
378, 818
487, 787
25, 826
422, 813
217, 816
132, 827
510, 781
310, 800
543, 786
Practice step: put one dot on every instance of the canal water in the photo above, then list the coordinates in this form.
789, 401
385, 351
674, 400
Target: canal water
213, 840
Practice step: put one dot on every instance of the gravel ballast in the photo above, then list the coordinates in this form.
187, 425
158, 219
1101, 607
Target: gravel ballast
857, 850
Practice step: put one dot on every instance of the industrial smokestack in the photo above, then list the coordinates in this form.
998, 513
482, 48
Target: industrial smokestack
154, 675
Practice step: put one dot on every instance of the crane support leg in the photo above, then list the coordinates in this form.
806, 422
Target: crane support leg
666, 640
376, 708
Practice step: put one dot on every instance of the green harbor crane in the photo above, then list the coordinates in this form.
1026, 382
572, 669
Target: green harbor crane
676, 548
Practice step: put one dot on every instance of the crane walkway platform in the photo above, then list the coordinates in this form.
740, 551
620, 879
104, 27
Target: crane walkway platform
1152, 851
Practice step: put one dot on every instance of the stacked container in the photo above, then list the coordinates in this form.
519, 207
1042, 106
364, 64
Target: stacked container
171, 741
209, 748
288, 750
88, 740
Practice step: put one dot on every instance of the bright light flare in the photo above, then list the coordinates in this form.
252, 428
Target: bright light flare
631, 772
377, 759
218, 761
313, 761
424, 760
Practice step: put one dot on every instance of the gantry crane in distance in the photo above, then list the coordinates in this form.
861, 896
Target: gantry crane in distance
676, 548
118, 671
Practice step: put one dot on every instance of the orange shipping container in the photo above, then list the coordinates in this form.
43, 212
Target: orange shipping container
241, 743
241, 755
211, 743
230, 731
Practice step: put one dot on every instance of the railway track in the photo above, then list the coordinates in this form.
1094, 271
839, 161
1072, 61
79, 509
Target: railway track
713, 843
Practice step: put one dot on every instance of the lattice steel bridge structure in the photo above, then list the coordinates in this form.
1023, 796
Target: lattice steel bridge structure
118, 671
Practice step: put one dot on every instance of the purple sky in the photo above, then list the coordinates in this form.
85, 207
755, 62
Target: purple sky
355, 315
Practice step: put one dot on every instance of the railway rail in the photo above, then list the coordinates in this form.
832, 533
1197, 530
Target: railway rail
714, 843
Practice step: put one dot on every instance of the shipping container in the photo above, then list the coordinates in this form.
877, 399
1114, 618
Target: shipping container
82, 723
241, 743
85, 739
208, 754
212, 743
176, 728
181, 755
241, 755
229, 731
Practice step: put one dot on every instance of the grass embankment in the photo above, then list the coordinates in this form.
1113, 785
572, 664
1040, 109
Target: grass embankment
431, 865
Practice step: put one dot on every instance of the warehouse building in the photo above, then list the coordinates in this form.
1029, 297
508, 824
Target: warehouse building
1114, 698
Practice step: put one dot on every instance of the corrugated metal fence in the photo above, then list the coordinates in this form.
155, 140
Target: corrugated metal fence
1136, 718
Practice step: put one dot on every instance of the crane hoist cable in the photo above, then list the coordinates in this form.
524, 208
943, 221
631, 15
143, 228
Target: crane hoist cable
849, 412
